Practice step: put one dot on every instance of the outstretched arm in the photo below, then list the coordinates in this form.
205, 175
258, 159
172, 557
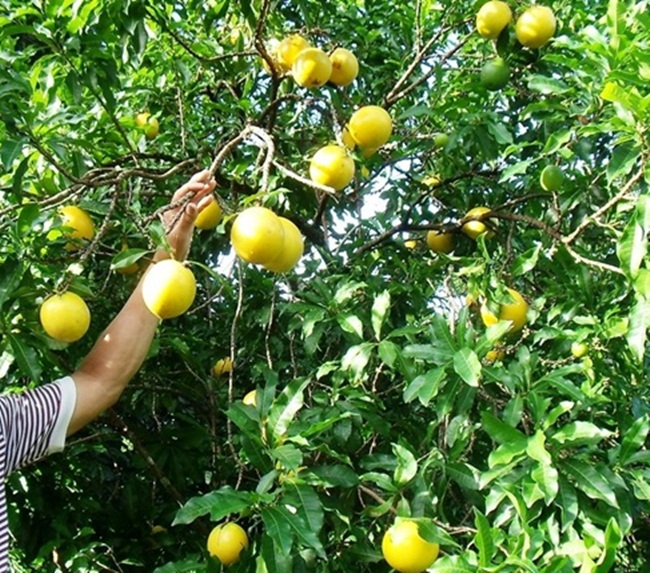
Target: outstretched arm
122, 347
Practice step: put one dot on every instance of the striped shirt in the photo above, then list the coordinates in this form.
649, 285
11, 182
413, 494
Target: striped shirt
33, 424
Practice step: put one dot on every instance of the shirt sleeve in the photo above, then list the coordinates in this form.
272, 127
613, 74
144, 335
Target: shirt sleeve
34, 423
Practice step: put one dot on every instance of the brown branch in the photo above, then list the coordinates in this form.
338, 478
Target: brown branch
606, 207
394, 97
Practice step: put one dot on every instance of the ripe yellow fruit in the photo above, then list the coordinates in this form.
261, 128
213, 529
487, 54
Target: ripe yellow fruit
535, 26
579, 349
475, 228
332, 166
65, 317
80, 224
405, 550
347, 139
292, 249
222, 366
210, 216
286, 52
312, 68
168, 289
257, 235
431, 181
514, 311
492, 18
226, 542
497, 354
250, 399
152, 129
440, 242
345, 67
370, 126
142, 118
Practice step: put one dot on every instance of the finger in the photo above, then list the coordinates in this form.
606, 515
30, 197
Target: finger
204, 202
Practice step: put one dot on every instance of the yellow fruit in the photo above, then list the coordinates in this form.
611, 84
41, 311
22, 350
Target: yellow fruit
257, 235
347, 139
535, 26
251, 398
312, 68
332, 166
475, 228
440, 242
226, 542
141, 119
492, 18
579, 349
514, 311
431, 181
370, 126
292, 249
497, 354
288, 49
152, 128
210, 216
65, 317
345, 67
222, 366
404, 549
168, 289
80, 224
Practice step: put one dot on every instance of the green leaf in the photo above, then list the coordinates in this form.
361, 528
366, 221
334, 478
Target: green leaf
407, 466
218, 504
613, 538
11, 273
546, 477
281, 522
286, 406
424, 387
388, 352
336, 475
357, 357
379, 310
633, 244
484, 539
307, 503
452, 564
468, 366
288, 455
580, 433
500, 431
351, 323
638, 327
536, 448
623, 159
634, 438
189, 565
26, 357
526, 261
590, 481
279, 528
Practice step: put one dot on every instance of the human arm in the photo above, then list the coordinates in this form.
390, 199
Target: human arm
122, 347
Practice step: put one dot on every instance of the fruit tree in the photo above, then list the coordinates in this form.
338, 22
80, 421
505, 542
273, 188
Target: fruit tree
387, 389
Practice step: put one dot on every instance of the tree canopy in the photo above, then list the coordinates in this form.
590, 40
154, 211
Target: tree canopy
386, 385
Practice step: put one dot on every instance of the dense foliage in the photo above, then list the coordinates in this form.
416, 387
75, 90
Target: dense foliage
377, 395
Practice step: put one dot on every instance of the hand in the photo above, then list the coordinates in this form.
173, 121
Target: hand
191, 198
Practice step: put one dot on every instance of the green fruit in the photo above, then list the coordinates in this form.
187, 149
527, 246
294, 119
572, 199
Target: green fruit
440, 140
579, 349
551, 178
495, 74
